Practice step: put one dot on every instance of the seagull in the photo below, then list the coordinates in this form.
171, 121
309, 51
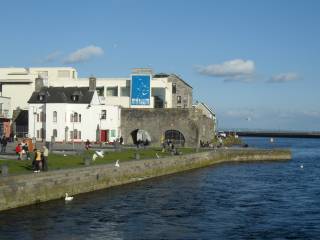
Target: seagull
64, 155
67, 198
157, 155
117, 164
100, 153
271, 140
94, 156
301, 166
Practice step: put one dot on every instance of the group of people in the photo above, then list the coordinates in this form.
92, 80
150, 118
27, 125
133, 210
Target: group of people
22, 150
40, 160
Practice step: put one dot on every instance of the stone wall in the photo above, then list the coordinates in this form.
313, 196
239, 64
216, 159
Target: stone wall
190, 122
183, 90
22, 190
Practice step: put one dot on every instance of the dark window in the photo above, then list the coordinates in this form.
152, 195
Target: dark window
103, 114
178, 99
174, 88
55, 133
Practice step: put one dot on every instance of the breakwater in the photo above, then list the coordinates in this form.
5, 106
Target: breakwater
22, 190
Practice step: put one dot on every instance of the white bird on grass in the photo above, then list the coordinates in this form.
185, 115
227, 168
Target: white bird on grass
68, 198
94, 156
117, 164
100, 153
157, 155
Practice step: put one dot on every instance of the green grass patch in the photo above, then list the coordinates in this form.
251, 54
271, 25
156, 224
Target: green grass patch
58, 161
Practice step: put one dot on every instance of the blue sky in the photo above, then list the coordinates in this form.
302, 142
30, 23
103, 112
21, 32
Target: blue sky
255, 62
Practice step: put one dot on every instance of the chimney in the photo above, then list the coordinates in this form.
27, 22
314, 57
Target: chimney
39, 84
92, 84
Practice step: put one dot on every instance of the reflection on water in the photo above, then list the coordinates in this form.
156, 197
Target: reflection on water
229, 201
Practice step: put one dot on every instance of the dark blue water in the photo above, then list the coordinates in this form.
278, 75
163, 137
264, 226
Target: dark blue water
278, 200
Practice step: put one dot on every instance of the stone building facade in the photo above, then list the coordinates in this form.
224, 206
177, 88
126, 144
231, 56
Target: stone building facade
185, 126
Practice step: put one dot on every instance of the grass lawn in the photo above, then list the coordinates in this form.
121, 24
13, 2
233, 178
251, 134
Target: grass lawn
57, 161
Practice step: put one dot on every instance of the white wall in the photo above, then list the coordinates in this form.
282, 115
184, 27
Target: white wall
90, 121
5, 110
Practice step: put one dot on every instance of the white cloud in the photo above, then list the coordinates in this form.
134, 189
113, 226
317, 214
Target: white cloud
53, 56
233, 70
284, 77
84, 54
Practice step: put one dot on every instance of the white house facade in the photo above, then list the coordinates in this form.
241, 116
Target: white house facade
72, 114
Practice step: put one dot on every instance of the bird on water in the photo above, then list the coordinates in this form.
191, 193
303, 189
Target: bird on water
68, 198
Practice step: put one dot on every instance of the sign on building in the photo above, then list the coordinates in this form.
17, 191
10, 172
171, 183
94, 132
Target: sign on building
140, 89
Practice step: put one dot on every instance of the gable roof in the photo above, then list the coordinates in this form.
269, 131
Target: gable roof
62, 95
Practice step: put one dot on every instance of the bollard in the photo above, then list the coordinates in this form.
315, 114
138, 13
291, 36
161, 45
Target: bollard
4, 170
87, 161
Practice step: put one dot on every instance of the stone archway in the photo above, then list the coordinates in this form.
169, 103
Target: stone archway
140, 136
175, 136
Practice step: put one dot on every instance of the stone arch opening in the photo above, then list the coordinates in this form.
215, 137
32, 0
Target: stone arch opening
175, 136
140, 136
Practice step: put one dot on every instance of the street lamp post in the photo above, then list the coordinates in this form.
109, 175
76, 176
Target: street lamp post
73, 118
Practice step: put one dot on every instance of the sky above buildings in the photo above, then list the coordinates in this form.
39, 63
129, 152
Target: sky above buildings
256, 63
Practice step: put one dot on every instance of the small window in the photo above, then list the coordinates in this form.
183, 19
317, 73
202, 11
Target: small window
38, 117
113, 133
75, 98
38, 134
178, 99
75, 117
112, 91
103, 114
63, 74
42, 117
174, 88
100, 91
55, 133
79, 117
71, 135
55, 114
125, 91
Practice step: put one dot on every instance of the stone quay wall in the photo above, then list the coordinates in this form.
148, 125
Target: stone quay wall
22, 190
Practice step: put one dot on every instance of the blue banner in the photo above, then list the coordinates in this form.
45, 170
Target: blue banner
140, 90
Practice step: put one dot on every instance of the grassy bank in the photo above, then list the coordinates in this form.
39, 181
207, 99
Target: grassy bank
58, 161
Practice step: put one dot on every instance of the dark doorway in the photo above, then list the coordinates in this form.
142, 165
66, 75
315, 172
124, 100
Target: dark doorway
140, 136
175, 137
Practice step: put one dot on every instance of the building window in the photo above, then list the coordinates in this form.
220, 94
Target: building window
63, 74
174, 88
55, 114
38, 117
42, 133
75, 98
42, 117
103, 114
38, 134
75, 117
125, 92
113, 133
112, 91
178, 99
55, 133
100, 91
75, 134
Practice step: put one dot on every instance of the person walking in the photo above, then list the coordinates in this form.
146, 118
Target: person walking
38, 159
45, 154
19, 151
4, 143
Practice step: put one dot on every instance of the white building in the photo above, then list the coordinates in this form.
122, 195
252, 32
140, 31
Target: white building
164, 90
207, 111
18, 83
71, 114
